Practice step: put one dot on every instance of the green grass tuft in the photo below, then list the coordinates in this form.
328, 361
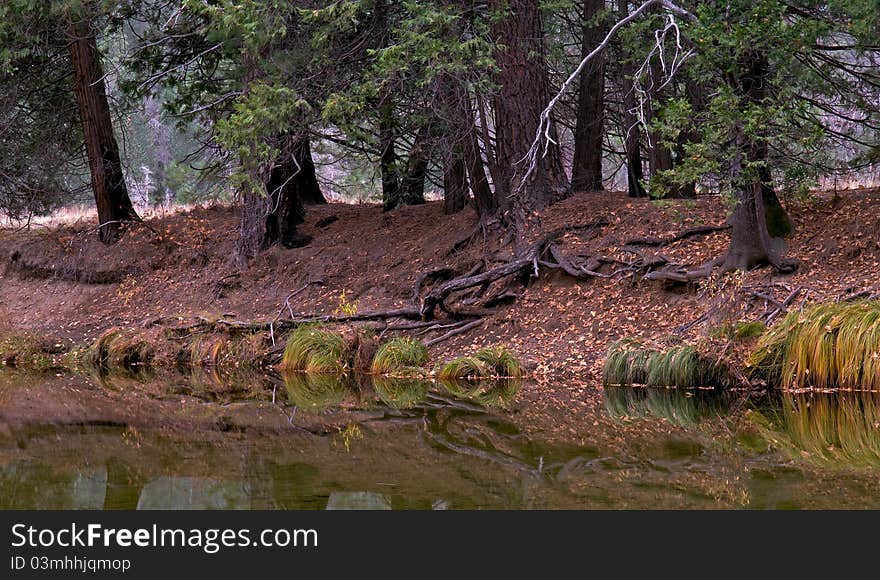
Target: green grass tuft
629, 363
312, 350
400, 357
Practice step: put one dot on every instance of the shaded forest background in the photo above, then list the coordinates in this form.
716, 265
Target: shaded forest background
499, 107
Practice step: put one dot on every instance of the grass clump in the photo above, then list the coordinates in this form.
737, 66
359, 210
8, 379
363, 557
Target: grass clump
312, 350
403, 356
219, 349
491, 362
118, 348
629, 363
626, 363
827, 346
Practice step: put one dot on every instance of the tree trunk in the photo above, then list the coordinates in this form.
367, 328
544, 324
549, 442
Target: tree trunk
759, 223
108, 181
462, 110
309, 190
631, 142
455, 185
289, 183
586, 171
391, 191
251, 226
413, 187
521, 97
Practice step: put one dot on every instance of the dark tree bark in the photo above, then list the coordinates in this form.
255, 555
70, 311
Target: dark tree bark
632, 145
269, 217
391, 189
586, 171
108, 181
413, 186
455, 185
309, 190
521, 97
759, 222
289, 183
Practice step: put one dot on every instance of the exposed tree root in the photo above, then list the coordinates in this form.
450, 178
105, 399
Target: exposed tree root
461, 330
688, 233
683, 276
526, 263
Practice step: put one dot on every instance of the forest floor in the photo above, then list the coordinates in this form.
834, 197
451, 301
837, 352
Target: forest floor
61, 283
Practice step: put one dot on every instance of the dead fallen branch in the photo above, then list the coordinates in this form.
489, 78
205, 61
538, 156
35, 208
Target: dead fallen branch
770, 315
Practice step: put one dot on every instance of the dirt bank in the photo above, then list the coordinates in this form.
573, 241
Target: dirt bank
62, 284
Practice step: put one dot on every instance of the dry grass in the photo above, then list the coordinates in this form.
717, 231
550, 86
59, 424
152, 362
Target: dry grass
828, 346
120, 348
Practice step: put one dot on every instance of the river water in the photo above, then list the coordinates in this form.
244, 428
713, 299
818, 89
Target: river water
343, 443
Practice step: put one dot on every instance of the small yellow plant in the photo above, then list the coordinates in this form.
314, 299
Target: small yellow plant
345, 306
349, 433
127, 289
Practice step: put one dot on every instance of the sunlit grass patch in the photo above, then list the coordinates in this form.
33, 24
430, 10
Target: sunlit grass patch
403, 356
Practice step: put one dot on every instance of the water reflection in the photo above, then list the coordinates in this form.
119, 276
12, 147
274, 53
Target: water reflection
499, 393
401, 393
836, 430
317, 392
431, 445
680, 407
